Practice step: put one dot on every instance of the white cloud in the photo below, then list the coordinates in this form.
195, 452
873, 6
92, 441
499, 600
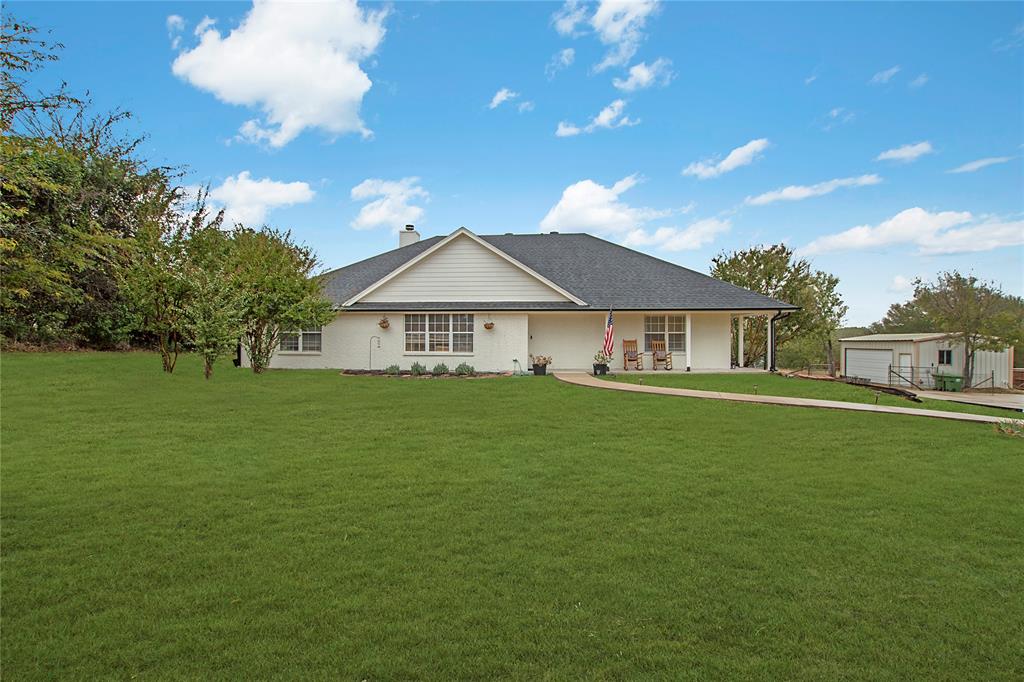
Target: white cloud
692, 237
612, 116
587, 206
799, 192
919, 81
932, 233
301, 68
175, 25
501, 96
901, 284
906, 153
883, 77
1011, 42
618, 24
393, 207
562, 59
642, 76
973, 166
247, 201
837, 116
526, 106
204, 24
569, 17
741, 156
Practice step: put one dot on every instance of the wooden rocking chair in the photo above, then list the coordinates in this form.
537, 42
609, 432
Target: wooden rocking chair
660, 354
631, 354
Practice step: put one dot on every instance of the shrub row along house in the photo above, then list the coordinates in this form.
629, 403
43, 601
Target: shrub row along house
495, 300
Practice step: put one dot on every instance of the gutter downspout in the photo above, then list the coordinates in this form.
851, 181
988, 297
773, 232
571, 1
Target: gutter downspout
778, 316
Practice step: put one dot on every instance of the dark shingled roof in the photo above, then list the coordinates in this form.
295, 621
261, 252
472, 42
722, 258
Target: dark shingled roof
597, 271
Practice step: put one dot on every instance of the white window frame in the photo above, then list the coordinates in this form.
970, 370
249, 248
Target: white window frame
945, 364
441, 328
665, 332
300, 337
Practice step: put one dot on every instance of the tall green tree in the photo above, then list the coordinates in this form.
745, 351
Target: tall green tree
279, 291
904, 318
978, 313
775, 272
213, 312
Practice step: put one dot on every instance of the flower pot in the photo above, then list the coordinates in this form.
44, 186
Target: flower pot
540, 370
488, 325
600, 370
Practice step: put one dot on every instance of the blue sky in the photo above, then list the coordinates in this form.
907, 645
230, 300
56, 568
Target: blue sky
681, 129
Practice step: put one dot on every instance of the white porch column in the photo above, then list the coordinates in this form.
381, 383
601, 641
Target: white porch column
769, 355
689, 343
739, 351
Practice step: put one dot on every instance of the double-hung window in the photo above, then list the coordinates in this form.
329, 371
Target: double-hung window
945, 357
439, 333
669, 328
306, 340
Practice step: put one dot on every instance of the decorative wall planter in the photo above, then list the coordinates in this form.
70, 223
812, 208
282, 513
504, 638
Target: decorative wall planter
384, 323
488, 326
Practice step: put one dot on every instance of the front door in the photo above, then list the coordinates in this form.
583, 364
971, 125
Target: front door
906, 368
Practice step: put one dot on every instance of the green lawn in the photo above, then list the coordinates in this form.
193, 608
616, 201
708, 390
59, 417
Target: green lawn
797, 387
305, 525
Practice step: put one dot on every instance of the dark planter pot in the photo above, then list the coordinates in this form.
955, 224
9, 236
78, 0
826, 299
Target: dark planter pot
600, 370
540, 370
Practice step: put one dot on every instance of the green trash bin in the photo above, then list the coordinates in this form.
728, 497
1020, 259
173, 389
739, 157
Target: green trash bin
954, 383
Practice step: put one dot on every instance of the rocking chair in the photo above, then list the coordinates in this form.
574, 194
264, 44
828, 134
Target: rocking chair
631, 354
660, 354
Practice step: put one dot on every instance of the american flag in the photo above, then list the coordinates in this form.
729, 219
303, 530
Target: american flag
609, 335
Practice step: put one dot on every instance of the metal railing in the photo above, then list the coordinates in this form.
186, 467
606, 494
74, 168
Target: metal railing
924, 378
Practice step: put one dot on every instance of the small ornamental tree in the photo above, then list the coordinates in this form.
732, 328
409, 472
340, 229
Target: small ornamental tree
278, 291
213, 315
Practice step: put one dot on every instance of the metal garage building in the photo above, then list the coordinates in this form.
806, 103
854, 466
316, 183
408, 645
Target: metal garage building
912, 359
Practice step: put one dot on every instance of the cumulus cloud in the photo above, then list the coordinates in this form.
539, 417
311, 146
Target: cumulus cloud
694, 236
523, 107
741, 156
643, 76
972, 166
248, 201
618, 24
588, 206
901, 284
883, 77
612, 116
301, 69
392, 203
799, 192
932, 233
501, 96
906, 153
919, 81
562, 59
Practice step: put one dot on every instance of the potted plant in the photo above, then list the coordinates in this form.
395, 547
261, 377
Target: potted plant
601, 363
540, 364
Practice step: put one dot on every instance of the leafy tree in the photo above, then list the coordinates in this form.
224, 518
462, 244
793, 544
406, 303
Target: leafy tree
980, 315
213, 313
904, 318
21, 53
775, 272
279, 292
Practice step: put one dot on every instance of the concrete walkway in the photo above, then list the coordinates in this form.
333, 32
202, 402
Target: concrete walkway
583, 379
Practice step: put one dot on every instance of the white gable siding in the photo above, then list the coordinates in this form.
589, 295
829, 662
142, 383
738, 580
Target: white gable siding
463, 271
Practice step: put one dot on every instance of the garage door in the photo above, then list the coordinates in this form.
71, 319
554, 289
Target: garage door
868, 364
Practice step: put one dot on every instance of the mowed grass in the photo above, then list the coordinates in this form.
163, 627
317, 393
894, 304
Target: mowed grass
798, 387
305, 525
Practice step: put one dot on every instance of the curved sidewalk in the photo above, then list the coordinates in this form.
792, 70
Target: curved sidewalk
583, 379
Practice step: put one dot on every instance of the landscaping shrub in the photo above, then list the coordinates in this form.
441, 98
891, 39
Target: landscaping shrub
393, 369
464, 370
440, 369
417, 369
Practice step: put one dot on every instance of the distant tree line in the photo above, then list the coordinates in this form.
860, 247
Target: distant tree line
101, 249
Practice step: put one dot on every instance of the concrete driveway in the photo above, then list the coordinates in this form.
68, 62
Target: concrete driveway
1014, 401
